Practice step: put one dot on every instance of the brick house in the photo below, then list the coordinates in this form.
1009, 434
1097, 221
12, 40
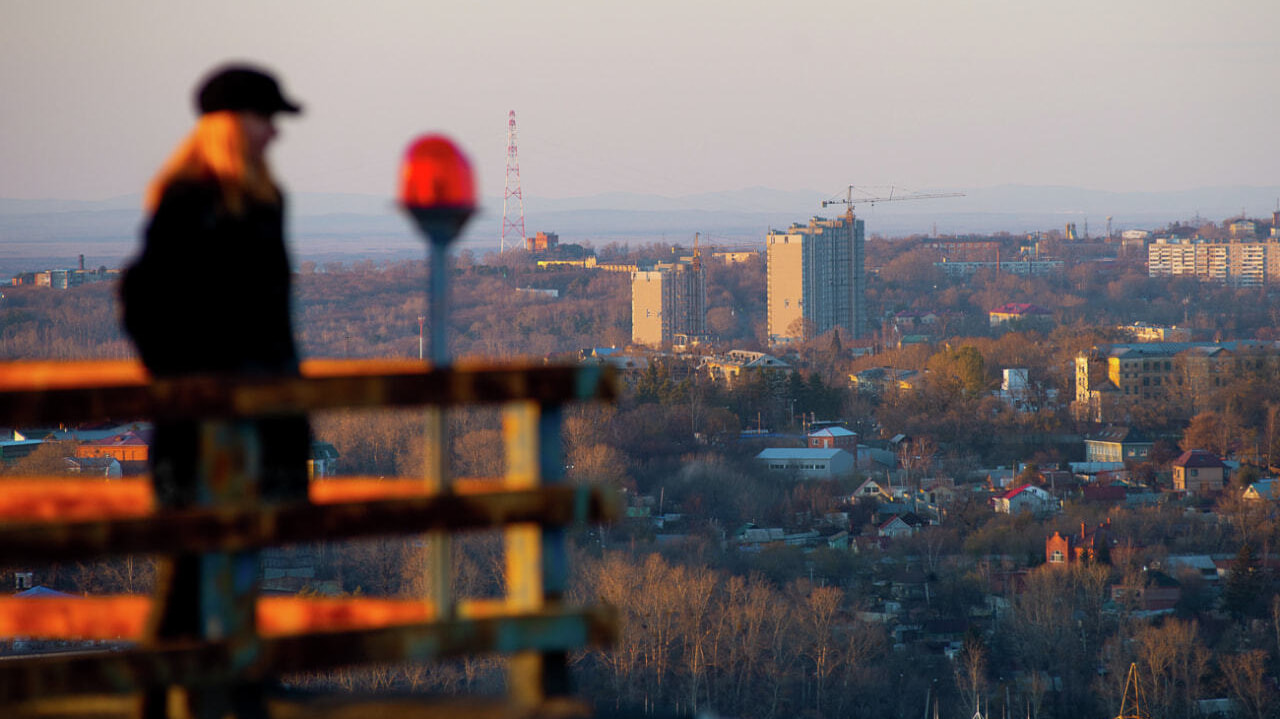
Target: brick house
833, 438
1090, 545
131, 446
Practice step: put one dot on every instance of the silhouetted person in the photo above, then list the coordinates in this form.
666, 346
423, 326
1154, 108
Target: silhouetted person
210, 291
210, 294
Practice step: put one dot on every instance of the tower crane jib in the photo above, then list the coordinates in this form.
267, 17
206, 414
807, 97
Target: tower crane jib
892, 196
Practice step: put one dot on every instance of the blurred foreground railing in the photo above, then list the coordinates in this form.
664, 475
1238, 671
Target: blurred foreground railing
249, 640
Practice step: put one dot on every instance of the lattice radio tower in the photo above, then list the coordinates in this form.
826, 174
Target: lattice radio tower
512, 188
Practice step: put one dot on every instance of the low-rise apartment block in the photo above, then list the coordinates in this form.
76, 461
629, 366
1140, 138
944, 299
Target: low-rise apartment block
1111, 377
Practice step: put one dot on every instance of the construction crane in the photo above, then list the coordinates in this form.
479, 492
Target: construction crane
1131, 703
850, 200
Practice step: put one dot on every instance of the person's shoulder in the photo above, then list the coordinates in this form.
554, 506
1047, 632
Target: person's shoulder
191, 191
185, 201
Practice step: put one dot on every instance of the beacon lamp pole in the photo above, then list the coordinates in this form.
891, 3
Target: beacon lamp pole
438, 193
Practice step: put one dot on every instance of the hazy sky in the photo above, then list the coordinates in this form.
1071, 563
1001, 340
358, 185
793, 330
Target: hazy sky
670, 97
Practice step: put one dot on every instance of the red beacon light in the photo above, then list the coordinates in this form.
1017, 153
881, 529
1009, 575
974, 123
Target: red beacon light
437, 188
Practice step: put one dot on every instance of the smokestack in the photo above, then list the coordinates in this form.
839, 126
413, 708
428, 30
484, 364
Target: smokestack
82, 263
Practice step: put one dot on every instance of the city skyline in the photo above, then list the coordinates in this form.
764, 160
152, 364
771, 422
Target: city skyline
663, 99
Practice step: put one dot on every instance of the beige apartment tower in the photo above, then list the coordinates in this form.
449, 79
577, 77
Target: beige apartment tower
668, 300
1237, 264
815, 279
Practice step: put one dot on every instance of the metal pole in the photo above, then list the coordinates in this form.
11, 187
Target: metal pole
437, 429
439, 292
438, 192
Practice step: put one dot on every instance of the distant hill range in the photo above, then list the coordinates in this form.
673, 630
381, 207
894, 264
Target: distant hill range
330, 225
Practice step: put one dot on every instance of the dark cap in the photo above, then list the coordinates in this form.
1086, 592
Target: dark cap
242, 88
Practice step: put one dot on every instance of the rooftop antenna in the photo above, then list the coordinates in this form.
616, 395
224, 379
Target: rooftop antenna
512, 188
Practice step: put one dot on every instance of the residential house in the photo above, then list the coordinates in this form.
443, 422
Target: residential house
1088, 546
998, 478
1143, 332
907, 340
12, 450
1200, 565
130, 446
1198, 471
1110, 494
833, 438
1020, 394
1263, 490
1268, 563
1156, 592
914, 326
1117, 444
909, 321
108, 467
940, 492
871, 489
1027, 498
879, 381
729, 366
323, 461
751, 538
628, 366
1059, 481
1095, 471
1017, 312
901, 525
807, 463
873, 459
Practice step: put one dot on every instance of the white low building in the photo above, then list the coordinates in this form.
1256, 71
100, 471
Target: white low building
807, 463
1027, 498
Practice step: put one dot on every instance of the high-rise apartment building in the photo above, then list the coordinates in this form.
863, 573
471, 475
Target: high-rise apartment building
668, 300
1238, 264
815, 279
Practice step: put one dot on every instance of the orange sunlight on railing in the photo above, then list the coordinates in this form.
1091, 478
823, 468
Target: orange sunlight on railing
58, 498
46, 499
124, 618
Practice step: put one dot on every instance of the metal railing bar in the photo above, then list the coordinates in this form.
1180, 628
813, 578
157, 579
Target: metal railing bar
231, 528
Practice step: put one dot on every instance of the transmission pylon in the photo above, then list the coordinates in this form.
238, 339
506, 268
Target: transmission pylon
512, 189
